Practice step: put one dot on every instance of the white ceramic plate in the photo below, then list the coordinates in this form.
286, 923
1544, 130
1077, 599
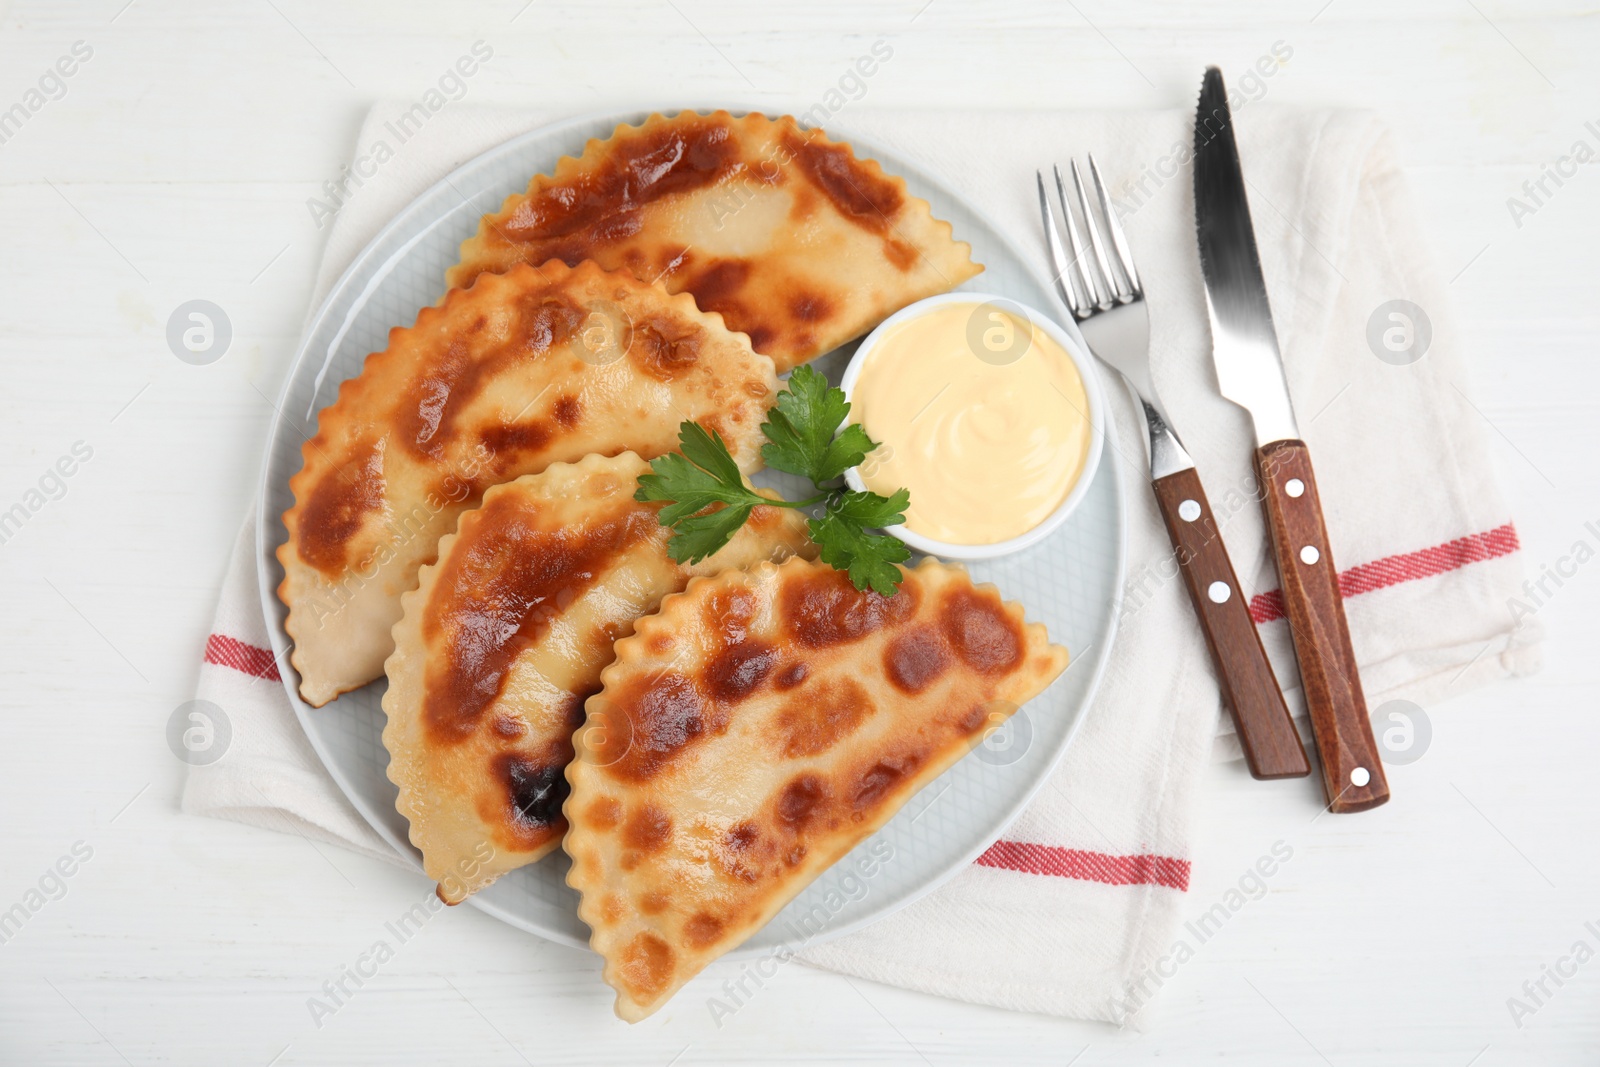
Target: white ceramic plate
1072, 582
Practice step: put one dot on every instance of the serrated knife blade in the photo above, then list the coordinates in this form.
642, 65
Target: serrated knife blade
1244, 345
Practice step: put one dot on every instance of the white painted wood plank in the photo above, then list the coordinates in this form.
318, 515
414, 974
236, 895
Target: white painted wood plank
191, 140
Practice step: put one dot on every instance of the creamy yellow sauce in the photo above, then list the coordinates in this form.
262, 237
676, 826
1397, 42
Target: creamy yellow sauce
983, 418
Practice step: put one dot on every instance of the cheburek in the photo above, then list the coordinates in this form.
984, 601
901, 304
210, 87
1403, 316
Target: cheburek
504, 639
785, 233
536, 366
757, 728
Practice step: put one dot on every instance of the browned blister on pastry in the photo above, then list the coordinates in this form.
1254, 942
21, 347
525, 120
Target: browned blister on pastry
503, 640
758, 727
787, 234
536, 366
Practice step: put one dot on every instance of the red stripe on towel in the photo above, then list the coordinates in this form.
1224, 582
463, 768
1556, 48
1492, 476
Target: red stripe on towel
227, 651
1407, 567
1087, 866
1053, 860
1010, 855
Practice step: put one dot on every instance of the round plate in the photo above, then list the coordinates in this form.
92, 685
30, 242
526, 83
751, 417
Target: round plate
1072, 582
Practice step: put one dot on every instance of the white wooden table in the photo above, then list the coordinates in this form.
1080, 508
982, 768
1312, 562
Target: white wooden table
176, 164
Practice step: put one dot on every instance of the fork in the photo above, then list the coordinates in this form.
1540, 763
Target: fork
1101, 287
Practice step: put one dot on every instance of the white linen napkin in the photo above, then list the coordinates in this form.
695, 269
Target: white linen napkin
1072, 910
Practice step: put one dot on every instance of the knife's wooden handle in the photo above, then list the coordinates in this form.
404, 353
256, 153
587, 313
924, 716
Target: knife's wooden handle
1266, 730
1352, 773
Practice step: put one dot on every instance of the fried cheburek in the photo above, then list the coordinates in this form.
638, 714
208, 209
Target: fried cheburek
755, 730
535, 366
504, 639
786, 234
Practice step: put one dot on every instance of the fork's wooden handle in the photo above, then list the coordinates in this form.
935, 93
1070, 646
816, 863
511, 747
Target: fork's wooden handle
1352, 773
1266, 731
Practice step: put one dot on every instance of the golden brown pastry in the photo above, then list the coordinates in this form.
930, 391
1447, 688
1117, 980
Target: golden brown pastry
536, 366
505, 638
757, 728
786, 234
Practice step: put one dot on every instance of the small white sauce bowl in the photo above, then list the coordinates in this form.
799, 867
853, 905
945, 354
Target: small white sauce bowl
1081, 361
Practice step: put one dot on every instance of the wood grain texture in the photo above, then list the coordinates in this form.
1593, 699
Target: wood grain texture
1315, 613
1272, 747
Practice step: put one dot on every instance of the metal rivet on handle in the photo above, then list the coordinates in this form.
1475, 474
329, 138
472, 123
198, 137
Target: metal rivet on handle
1360, 777
1294, 487
1189, 510
1219, 592
1309, 554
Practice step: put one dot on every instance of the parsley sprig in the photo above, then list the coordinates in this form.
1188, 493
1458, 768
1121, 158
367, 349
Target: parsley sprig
708, 500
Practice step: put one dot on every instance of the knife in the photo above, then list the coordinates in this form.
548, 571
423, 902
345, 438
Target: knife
1244, 348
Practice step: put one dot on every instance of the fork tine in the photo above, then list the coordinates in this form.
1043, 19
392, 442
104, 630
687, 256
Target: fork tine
1084, 274
1058, 255
1096, 242
1118, 240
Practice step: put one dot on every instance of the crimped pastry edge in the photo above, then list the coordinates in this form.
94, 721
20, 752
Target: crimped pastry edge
633, 648
352, 390
415, 601
595, 147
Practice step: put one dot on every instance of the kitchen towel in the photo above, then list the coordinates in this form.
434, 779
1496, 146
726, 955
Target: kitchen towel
1073, 911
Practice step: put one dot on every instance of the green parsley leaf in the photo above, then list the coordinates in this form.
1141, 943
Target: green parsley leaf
800, 429
706, 449
699, 536
707, 499
841, 534
870, 509
702, 476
